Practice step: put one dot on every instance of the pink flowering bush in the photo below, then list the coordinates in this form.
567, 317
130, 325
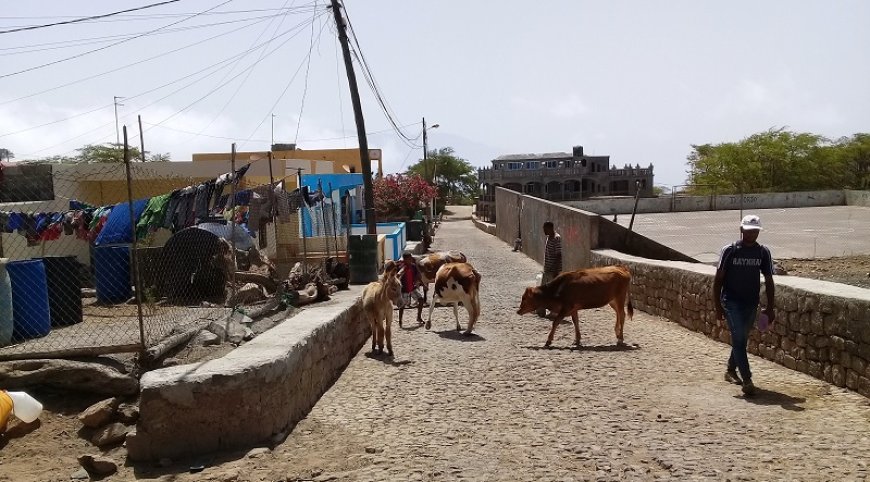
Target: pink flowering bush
397, 196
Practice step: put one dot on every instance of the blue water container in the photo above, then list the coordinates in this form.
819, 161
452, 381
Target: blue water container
31, 317
112, 274
5, 304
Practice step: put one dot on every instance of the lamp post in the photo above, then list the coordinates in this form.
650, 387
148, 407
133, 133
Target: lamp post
426, 165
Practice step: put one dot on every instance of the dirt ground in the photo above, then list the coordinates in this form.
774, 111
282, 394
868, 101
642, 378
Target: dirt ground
850, 270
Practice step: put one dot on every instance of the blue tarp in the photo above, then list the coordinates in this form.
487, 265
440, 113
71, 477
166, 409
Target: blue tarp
342, 182
117, 228
243, 239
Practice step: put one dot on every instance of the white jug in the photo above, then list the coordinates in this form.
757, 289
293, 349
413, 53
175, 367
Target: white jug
25, 407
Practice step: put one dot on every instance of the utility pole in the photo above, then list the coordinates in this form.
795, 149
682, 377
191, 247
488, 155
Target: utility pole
426, 152
117, 130
369, 198
273, 133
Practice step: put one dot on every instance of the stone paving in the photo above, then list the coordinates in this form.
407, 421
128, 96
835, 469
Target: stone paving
497, 406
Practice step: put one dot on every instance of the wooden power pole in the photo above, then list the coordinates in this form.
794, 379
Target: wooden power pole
368, 198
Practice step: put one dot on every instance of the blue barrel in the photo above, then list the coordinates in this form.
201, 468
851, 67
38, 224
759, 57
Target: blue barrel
30, 314
112, 274
5, 304
64, 290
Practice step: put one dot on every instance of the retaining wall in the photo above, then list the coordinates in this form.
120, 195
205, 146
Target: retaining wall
822, 328
858, 198
258, 390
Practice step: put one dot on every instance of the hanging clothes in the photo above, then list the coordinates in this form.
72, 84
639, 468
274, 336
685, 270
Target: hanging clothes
153, 216
184, 214
171, 207
201, 201
117, 227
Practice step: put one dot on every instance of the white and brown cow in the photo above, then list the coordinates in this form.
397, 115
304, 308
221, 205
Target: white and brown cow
429, 264
378, 299
457, 283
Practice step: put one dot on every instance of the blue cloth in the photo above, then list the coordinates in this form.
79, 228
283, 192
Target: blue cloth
117, 228
742, 265
16, 222
740, 318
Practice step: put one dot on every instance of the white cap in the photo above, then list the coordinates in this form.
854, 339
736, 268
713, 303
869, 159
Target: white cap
751, 221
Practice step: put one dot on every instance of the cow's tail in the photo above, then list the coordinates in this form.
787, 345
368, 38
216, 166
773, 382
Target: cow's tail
630, 308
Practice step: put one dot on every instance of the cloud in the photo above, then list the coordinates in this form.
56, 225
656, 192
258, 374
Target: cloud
568, 107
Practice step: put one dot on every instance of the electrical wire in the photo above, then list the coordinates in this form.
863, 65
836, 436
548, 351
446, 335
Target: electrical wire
110, 71
307, 71
37, 67
286, 87
249, 72
85, 19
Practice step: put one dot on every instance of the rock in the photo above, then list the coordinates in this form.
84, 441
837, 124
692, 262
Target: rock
111, 434
257, 452
205, 338
80, 474
219, 329
249, 293
99, 413
249, 334
235, 332
67, 374
128, 413
98, 465
171, 362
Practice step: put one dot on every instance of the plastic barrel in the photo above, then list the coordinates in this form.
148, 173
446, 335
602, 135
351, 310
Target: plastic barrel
64, 290
362, 253
415, 230
112, 274
5, 305
30, 315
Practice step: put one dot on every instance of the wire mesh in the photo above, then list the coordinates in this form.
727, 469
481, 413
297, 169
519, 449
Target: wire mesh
91, 266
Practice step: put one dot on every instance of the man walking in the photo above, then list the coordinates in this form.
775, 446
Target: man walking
552, 258
736, 295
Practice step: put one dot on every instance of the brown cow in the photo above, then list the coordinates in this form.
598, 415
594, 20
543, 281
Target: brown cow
378, 299
578, 290
457, 283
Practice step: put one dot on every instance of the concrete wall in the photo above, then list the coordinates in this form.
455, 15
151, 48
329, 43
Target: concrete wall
258, 390
581, 231
663, 204
858, 198
822, 328
525, 214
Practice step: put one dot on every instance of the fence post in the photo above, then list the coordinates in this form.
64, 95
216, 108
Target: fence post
233, 219
134, 254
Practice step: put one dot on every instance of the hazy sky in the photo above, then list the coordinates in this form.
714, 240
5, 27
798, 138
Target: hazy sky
637, 80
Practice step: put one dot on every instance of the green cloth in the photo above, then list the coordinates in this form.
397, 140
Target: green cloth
153, 215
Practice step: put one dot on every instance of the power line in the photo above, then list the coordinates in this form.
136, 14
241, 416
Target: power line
178, 14
307, 71
30, 69
85, 19
227, 60
128, 65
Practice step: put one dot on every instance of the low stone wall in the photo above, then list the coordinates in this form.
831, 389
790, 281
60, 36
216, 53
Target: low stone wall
822, 328
258, 390
858, 198
488, 228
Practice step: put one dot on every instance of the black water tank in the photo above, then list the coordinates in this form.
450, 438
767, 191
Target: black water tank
415, 230
578, 151
64, 290
362, 253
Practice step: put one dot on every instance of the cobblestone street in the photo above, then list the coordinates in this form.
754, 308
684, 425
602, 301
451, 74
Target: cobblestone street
497, 406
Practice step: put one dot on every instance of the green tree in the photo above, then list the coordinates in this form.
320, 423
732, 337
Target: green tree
455, 178
6, 154
102, 153
778, 160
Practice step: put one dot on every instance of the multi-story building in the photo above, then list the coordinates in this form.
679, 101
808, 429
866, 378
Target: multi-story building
561, 176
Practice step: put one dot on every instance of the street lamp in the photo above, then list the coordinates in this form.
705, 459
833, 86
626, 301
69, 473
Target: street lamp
426, 158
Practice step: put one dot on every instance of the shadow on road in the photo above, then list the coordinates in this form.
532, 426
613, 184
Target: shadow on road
585, 347
769, 397
388, 360
458, 336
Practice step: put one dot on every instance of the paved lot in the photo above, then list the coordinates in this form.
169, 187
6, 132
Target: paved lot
790, 233
497, 407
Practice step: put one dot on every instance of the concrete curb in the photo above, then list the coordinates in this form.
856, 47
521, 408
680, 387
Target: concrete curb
257, 391
488, 228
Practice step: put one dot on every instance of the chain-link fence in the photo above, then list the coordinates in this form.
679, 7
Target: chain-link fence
104, 258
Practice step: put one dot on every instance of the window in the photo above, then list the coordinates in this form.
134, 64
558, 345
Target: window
533, 165
513, 166
552, 164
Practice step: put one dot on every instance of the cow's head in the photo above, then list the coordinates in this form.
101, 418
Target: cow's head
529, 303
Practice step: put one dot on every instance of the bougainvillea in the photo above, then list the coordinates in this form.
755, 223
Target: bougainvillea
397, 196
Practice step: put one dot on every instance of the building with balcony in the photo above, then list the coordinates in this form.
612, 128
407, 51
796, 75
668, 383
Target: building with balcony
560, 176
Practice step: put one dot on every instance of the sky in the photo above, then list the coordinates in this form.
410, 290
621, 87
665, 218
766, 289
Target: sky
639, 81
